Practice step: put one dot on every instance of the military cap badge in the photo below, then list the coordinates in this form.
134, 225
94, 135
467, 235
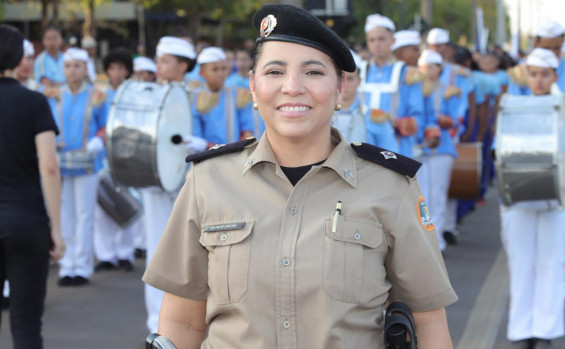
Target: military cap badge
268, 24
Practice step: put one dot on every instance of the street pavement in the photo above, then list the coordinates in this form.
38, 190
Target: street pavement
110, 312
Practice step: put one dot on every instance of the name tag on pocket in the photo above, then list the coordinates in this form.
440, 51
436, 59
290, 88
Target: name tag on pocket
224, 227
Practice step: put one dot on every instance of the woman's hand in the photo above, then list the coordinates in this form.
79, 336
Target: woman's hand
58, 248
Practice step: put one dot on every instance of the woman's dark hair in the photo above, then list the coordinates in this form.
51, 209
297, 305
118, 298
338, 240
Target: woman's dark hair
11, 47
259, 49
190, 63
119, 55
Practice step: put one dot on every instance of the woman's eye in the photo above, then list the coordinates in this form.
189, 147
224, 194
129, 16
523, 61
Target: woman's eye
274, 72
315, 72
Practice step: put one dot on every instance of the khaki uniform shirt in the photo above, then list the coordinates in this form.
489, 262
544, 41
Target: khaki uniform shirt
263, 255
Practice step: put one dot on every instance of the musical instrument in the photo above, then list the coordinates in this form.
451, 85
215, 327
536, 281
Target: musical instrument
530, 149
117, 201
142, 121
76, 160
467, 171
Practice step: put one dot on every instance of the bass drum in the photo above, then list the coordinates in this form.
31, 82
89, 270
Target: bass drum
143, 120
530, 149
467, 171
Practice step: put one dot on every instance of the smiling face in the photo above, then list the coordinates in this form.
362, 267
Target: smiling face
296, 93
541, 79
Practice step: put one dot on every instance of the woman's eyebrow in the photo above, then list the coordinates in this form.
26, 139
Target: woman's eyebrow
313, 62
274, 63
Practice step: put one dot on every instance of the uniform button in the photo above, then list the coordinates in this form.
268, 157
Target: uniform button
357, 236
285, 262
286, 324
224, 237
293, 210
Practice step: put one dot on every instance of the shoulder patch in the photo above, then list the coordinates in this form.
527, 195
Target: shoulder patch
518, 75
393, 161
413, 76
220, 149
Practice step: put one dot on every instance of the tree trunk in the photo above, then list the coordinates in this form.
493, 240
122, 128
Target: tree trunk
44, 7
220, 32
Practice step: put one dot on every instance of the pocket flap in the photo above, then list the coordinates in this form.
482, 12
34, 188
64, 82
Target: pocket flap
223, 234
355, 230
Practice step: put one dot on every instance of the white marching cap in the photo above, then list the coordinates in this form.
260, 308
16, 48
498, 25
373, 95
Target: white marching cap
358, 60
549, 29
74, 53
438, 36
144, 64
406, 38
377, 20
542, 58
430, 57
211, 55
169, 45
28, 48
88, 42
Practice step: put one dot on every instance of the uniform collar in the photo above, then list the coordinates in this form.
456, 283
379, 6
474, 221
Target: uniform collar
341, 160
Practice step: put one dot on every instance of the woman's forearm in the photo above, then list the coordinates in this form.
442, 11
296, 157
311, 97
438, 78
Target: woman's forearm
432, 330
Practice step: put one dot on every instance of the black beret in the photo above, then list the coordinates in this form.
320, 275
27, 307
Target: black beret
293, 24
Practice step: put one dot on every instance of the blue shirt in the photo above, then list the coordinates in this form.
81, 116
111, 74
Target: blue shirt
236, 80
46, 66
447, 107
70, 114
406, 102
351, 122
224, 122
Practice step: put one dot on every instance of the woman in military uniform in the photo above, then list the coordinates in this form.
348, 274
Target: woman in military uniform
300, 239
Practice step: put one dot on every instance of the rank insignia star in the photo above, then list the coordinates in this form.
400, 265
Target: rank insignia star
388, 155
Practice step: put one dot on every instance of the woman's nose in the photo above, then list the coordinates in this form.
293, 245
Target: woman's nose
293, 85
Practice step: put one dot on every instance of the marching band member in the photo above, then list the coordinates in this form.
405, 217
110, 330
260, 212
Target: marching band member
114, 246
221, 115
349, 119
25, 68
80, 112
144, 69
244, 63
392, 90
89, 45
534, 243
550, 36
175, 57
48, 67
439, 160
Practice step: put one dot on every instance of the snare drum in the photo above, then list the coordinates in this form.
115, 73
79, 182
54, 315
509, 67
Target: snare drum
530, 149
142, 121
466, 173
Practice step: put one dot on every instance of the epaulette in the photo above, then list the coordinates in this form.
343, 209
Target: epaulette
243, 97
463, 71
393, 161
206, 100
413, 76
451, 91
98, 97
220, 149
428, 87
518, 75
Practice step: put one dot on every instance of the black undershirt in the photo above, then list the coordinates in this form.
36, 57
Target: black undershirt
294, 174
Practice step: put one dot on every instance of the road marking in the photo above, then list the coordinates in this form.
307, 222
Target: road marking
487, 315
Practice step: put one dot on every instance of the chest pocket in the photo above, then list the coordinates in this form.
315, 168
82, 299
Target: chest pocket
352, 254
229, 252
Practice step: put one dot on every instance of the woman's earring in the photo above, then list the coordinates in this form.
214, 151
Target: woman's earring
255, 106
338, 107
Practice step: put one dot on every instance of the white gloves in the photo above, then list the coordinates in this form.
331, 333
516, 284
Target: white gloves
194, 144
95, 145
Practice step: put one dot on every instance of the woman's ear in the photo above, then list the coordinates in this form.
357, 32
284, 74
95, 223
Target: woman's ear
341, 87
252, 85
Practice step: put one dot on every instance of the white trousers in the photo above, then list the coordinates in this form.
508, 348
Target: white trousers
140, 236
77, 225
158, 206
112, 243
434, 177
534, 243
450, 223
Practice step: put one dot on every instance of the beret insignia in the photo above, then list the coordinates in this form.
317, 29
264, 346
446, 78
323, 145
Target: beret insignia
393, 161
220, 149
268, 24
